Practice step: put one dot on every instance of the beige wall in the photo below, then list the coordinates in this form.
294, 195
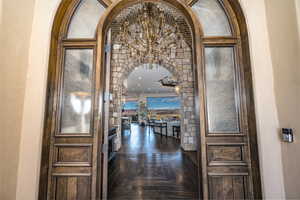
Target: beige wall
1, 13
1, 135
297, 2
33, 112
33, 54
283, 32
267, 121
15, 33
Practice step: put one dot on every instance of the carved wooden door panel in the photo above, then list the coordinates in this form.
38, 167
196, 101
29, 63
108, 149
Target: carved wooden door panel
74, 143
72, 146
226, 163
228, 156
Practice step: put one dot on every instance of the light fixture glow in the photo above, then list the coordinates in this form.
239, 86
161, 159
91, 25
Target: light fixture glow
177, 89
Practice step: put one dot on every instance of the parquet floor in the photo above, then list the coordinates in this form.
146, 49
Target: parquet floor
150, 167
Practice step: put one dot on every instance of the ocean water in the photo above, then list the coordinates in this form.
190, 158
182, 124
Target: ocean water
156, 103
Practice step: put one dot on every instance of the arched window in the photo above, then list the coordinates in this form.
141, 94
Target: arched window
83, 24
209, 11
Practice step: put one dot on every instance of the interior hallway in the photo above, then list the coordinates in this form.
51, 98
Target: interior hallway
149, 166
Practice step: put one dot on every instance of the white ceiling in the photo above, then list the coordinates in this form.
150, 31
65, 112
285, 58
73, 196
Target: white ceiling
143, 80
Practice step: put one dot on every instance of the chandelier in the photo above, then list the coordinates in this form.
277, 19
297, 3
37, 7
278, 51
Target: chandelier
147, 36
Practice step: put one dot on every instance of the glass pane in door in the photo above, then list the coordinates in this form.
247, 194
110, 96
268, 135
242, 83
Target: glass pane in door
222, 109
77, 90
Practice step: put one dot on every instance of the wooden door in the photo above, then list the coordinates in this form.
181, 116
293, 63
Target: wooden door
74, 150
225, 154
72, 143
106, 104
228, 150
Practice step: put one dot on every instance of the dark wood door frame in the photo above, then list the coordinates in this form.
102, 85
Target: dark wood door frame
239, 41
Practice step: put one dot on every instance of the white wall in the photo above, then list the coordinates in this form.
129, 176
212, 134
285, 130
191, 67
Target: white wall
285, 49
33, 110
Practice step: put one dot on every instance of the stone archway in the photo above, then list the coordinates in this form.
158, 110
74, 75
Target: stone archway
177, 59
179, 62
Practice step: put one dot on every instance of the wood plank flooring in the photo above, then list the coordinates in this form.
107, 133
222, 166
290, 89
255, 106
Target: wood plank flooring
150, 167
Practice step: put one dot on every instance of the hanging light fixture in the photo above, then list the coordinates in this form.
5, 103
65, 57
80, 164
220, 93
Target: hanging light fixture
168, 82
147, 36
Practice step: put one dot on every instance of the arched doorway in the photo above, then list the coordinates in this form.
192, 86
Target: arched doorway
172, 49
72, 146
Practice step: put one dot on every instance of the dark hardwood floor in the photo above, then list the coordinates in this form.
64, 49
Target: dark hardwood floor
150, 167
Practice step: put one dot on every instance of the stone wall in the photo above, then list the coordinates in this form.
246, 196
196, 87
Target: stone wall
177, 60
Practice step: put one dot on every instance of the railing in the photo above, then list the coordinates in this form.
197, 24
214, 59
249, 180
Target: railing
162, 127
